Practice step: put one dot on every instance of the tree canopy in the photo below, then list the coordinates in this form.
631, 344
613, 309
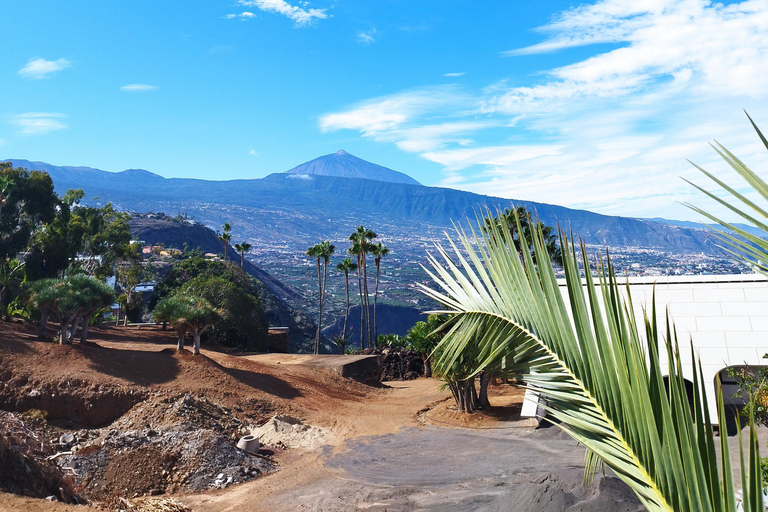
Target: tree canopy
228, 289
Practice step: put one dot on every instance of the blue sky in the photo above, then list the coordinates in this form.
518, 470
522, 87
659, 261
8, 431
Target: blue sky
594, 105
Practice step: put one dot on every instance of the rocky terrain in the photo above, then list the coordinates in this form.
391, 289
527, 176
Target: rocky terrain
125, 417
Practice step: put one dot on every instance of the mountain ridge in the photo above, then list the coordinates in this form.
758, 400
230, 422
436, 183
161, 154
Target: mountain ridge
314, 196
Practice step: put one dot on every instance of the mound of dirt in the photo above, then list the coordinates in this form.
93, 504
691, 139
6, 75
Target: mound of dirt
183, 443
397, 363
289, 432
150, 419
24, 468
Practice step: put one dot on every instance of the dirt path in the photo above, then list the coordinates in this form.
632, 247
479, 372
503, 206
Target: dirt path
383, 456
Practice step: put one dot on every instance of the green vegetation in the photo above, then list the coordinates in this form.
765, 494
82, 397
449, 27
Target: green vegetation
504, 310
242, 248
361, 247
188, 313
228, 289
521, 232
69, 301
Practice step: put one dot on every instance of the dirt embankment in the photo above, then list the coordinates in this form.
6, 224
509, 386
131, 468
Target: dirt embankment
128, 416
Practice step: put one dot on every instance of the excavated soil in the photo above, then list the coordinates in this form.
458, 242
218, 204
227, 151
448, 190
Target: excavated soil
127, 415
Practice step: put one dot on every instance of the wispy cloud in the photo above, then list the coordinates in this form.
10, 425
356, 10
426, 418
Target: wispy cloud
138, 88
300, 15
366, 37
245, 15
452, 75
36, 123
610, 132
41, 68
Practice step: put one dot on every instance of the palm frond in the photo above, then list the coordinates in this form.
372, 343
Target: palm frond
743, 246
601, 382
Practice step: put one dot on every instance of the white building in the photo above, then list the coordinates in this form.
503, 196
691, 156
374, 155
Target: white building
725, 316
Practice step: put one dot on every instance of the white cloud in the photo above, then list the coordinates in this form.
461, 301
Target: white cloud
366, 37
36, 123
138, 88
610, 132
253, 152
245, 15
41, 68
299, 15
452, 75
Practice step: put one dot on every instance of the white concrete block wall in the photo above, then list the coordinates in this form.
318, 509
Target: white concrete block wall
725, 317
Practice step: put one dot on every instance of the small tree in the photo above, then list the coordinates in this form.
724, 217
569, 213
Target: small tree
188, 313
171, 310
68, 299
199, 315
242, 248
424, 337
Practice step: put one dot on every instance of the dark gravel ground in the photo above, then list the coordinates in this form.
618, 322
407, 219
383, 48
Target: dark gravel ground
453, 470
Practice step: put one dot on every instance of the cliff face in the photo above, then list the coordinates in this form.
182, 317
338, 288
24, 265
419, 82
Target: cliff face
273, 293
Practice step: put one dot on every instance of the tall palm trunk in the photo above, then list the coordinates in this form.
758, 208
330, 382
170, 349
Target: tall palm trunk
320, 306
375, 301
360, 291
242, 259
367, 302
346, 315
322, 300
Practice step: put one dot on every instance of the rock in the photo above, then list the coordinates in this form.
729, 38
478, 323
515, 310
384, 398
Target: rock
67, 439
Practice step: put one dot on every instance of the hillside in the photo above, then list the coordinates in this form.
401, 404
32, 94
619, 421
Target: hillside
390, 320
274, 293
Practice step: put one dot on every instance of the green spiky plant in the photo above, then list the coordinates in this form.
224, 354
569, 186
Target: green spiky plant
602, 381
742, 245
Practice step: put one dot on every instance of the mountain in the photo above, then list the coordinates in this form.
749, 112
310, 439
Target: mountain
343, 165
299, 207
284, 213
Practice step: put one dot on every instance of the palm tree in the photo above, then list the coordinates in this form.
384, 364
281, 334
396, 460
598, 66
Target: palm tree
242, 248
225, 237
314, 252
601, 382
357, 250
322, 250
346, 266
361, 244
524, 237
379, 251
